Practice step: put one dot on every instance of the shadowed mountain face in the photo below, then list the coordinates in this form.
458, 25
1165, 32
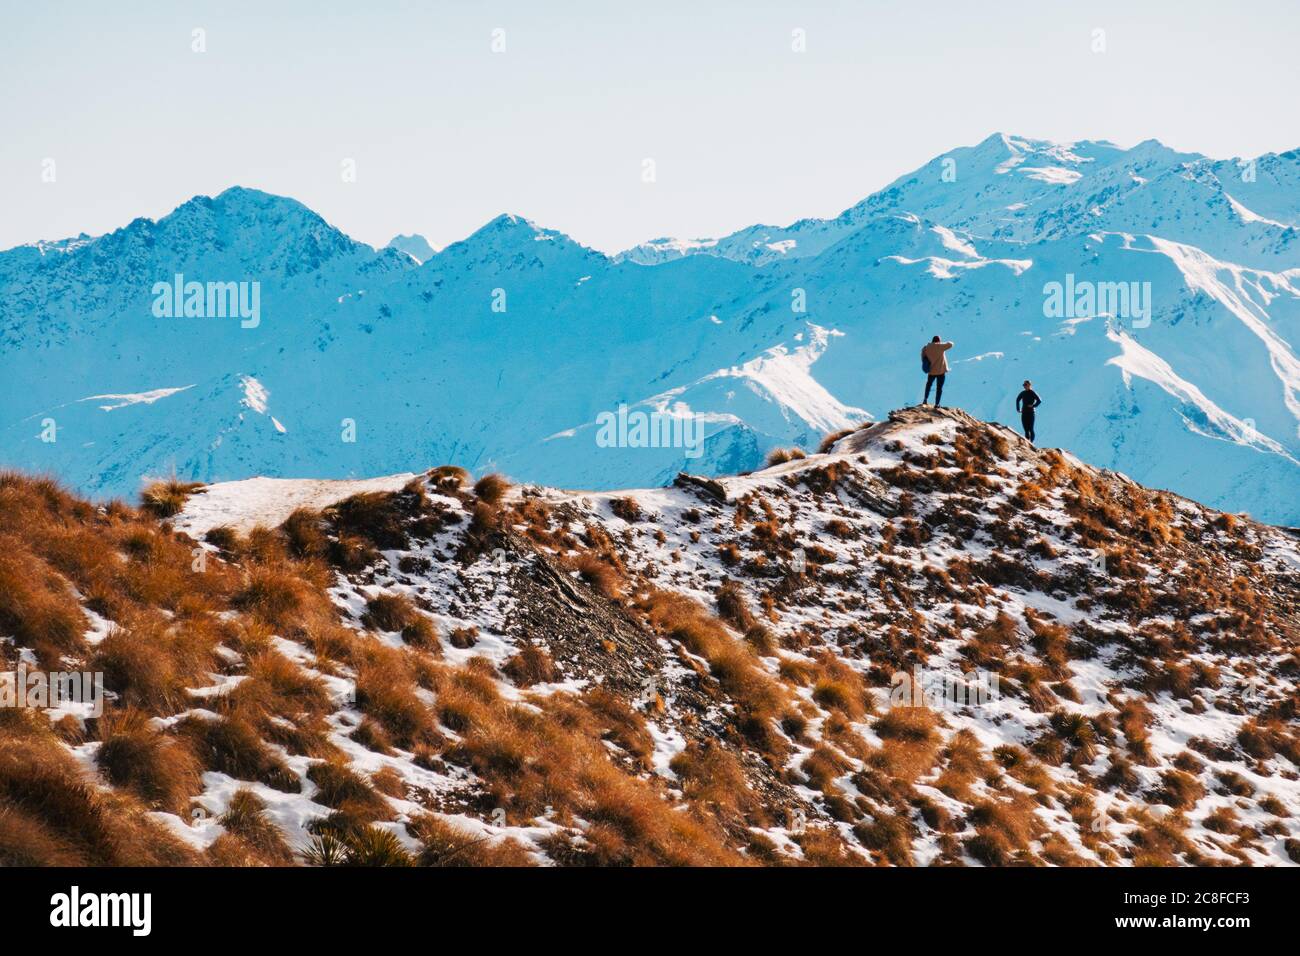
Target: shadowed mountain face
1166, 352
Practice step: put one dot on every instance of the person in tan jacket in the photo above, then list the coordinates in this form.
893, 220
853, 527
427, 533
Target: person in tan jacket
934, 360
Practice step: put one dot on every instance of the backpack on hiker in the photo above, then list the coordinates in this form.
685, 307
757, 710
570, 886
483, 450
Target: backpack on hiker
925, 361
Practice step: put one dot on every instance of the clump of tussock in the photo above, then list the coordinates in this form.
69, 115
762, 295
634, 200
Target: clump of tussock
273, 593
222, 537
447, 845
340, 788
733, 607
890, 835
828, 442
51, 815
232, 746
838, 687
149, 664
1003, 831
386, 691
712, 776
132, 754
598, 571
246, 818
166, 499
532, 665
1178, 789
485, 529
779, 456
376, 517
738, 671
396, 612
519, 752
626, 508
305, 532
290, 691
38, 609
906, 724
448, 478
491, 489
620, 724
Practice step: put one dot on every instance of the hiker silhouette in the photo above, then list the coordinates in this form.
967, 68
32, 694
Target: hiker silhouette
1026, 402
934, 362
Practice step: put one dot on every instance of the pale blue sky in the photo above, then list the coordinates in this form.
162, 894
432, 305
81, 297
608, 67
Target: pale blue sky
446, 134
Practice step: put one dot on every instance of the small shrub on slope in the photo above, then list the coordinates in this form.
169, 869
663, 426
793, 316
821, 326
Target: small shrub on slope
165, 499
491, 489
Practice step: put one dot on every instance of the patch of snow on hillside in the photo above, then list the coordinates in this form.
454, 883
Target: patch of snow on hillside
950, 241
1249, 216
1136, 359
121, 400
786, 377
1056, 175
1201, 273
269, 501
948, 268
255, 394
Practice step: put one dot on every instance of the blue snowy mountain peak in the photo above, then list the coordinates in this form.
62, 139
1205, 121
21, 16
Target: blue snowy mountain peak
506, 349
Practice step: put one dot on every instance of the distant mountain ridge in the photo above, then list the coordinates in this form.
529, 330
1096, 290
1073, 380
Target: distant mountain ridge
502, 350
415, 246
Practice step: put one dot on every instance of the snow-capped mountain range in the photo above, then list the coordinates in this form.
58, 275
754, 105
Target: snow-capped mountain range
508, 349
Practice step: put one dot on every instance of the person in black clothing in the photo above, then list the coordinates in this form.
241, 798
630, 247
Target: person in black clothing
1026, 402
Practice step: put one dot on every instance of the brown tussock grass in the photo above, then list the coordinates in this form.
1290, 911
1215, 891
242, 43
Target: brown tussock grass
890, 835
491, 489
828, 441
910, 742
246, 819
627, 508
386, 690
377, 518
712, 777
232, 746
532, 665
37, 608
339, 787
555, 757
50, 814
760, 698
396, 612
149, 663
165, 499
160, 770
597, 570
447, 845
779, 456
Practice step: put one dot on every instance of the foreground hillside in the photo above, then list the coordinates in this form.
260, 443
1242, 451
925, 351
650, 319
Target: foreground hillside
719, 672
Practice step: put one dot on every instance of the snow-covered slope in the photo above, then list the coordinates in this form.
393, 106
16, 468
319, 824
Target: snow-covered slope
933, 644
509, 348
